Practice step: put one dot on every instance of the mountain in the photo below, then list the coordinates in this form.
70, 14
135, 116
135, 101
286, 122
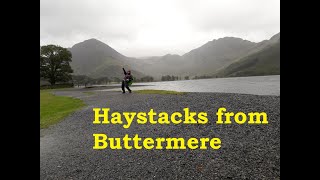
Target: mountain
264, 59
228, 56
275, 38
217, 53
96, 59
205, 59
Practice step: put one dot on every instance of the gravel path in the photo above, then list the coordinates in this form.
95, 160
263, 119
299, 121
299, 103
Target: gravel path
247, 151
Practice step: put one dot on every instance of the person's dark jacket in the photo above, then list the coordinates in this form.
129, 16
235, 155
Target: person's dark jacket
127, 77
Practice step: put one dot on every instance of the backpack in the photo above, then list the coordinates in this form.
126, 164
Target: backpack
131, 81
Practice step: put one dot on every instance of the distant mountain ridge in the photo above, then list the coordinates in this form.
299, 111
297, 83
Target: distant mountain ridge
97, 59
264, 60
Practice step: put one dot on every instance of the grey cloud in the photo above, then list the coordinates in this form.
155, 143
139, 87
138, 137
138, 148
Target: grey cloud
141, 27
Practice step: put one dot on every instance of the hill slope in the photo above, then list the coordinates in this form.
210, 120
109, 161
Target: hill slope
205, 59
263, 62
228, 56
96, 59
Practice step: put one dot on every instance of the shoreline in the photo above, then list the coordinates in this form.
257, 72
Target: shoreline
258, 85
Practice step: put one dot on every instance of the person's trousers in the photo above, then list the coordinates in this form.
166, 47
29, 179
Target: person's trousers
125, 84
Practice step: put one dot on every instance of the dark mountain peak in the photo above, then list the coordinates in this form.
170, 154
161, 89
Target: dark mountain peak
91, 42
171, 55
95, 46
222, 42
275, 37
228, 40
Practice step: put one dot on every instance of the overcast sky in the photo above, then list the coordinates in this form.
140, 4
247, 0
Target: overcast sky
138, 28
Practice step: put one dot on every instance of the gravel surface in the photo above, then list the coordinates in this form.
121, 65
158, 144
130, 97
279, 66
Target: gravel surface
247, 151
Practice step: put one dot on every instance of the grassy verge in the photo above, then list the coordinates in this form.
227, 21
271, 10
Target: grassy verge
88, 92
57, 86
54, 108
152, 91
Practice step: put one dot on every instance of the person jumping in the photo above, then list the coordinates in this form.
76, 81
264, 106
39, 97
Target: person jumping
126, 80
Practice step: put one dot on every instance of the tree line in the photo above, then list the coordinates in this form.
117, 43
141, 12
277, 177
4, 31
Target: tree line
83, 80
173, 78
55, 68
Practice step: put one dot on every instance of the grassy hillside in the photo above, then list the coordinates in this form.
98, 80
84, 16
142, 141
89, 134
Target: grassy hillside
205, 59
107, 69
263, 62
228, 56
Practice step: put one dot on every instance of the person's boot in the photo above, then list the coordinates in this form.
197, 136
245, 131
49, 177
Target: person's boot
129, 91
123, 92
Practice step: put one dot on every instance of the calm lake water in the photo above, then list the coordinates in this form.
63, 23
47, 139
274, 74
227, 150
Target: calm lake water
259, 85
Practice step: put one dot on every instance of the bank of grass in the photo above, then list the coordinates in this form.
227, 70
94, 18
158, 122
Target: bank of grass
54, 108
88, 92
57, 86
152, 91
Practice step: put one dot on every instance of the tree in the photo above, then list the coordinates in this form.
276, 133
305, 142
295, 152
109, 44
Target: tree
172, 78
77, 79
166, 78
87, 80
55, 64
146, 79
186, 77
103, 80
116, 79
81, 80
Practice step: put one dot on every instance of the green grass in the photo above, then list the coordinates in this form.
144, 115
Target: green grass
54, 108
152, 91
88, 92
57, 86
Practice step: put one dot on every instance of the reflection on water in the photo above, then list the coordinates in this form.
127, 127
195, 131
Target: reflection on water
259, 85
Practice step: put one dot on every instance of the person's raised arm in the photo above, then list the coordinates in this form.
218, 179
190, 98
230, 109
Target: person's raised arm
124, 71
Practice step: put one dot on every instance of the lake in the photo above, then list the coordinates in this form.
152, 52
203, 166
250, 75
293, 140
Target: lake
258, 85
